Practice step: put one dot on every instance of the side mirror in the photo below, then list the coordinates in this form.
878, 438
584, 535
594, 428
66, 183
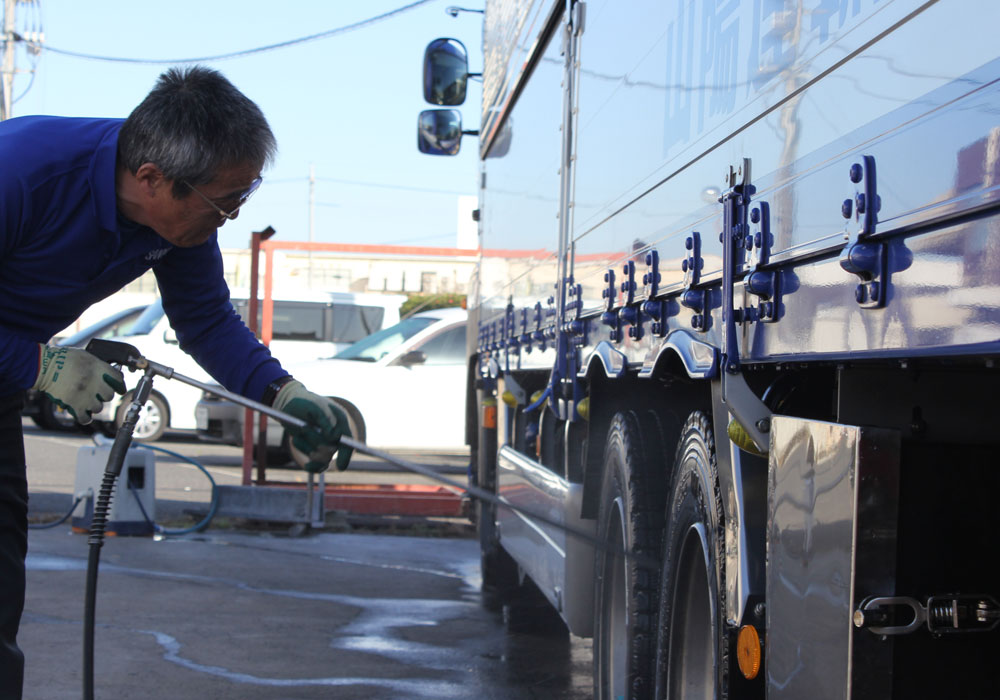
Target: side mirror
439, 132
413, 357
446, 72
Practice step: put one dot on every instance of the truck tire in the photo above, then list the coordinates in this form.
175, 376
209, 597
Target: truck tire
692, 654
625, 595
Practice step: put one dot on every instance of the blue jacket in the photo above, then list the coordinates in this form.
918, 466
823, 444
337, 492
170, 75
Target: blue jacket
63, 246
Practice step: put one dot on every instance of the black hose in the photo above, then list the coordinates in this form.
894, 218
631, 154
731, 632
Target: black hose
96, 540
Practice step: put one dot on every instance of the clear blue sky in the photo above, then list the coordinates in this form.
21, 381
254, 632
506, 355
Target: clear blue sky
346, 104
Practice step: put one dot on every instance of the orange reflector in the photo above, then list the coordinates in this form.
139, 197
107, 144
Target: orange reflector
490, 415
748, 651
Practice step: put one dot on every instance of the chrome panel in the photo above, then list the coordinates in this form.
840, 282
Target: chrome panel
519, 204
541, 549
795, 87
803, 92
511, 31
831, 537
578, 582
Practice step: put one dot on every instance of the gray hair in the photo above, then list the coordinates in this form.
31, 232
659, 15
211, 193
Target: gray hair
192, 124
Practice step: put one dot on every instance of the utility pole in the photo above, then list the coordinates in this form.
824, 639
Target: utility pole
31, 38
7, 70
312, 218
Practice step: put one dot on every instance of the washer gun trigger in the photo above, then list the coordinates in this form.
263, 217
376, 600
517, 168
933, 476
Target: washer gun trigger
116, 353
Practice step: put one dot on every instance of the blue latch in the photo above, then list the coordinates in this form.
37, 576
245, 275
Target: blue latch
865, 258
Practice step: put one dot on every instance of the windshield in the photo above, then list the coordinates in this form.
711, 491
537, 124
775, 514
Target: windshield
378, 345
147, 321
111, 327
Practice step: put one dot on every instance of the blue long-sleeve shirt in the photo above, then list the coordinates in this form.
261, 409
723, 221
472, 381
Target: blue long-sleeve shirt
64, 246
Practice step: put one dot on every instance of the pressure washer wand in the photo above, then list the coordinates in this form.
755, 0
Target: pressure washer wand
136, 361
483, 495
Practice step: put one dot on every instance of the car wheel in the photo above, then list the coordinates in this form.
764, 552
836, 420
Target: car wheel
354, 420
53, 417
153, 419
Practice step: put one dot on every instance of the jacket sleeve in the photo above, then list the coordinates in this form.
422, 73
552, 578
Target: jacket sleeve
196, 301
18, 355
18, 363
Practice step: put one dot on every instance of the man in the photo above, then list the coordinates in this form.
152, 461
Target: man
86, 206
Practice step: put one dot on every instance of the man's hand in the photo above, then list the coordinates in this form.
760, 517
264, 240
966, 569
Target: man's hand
313, 449
76, 380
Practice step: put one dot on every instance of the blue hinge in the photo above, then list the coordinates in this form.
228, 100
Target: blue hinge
575, 327
865, 258
692, 265
537, 335
630, 314
691, 298
655, 309
609, 317
734, 238
762, 283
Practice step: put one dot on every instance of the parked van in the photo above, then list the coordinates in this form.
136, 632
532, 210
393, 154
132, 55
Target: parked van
306, 326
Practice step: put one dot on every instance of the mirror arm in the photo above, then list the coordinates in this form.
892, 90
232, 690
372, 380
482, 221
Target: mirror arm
470, 133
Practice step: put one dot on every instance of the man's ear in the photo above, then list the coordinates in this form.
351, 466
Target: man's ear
151, 180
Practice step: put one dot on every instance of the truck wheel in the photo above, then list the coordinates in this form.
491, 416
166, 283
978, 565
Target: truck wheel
153, 419
692, 656
631, 519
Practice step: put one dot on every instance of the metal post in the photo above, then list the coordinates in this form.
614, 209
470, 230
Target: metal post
7, 71
312, 220
255, 242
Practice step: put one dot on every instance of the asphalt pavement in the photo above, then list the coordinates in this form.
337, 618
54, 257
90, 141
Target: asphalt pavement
247, 611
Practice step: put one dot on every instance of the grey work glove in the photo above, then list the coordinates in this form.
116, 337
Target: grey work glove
76, 380
313, 448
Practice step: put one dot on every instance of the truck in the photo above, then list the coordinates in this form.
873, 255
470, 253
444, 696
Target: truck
734, 334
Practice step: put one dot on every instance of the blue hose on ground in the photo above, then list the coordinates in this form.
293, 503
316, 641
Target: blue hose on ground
213, 506
60, 521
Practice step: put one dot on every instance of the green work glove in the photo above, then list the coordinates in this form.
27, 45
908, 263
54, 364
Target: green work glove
313, 449
76, 380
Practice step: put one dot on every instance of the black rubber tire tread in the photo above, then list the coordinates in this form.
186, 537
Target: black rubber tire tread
695, 498
635, 470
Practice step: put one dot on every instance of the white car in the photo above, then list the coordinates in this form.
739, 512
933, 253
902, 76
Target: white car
45, 412
304, 326
402, 387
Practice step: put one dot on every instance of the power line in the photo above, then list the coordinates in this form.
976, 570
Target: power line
246, 52
361, 183
391, 187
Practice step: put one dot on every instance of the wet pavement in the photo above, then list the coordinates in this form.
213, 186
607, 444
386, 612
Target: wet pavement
257, 613
245, 615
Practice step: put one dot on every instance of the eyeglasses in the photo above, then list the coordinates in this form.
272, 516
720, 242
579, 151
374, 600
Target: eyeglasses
240, 198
